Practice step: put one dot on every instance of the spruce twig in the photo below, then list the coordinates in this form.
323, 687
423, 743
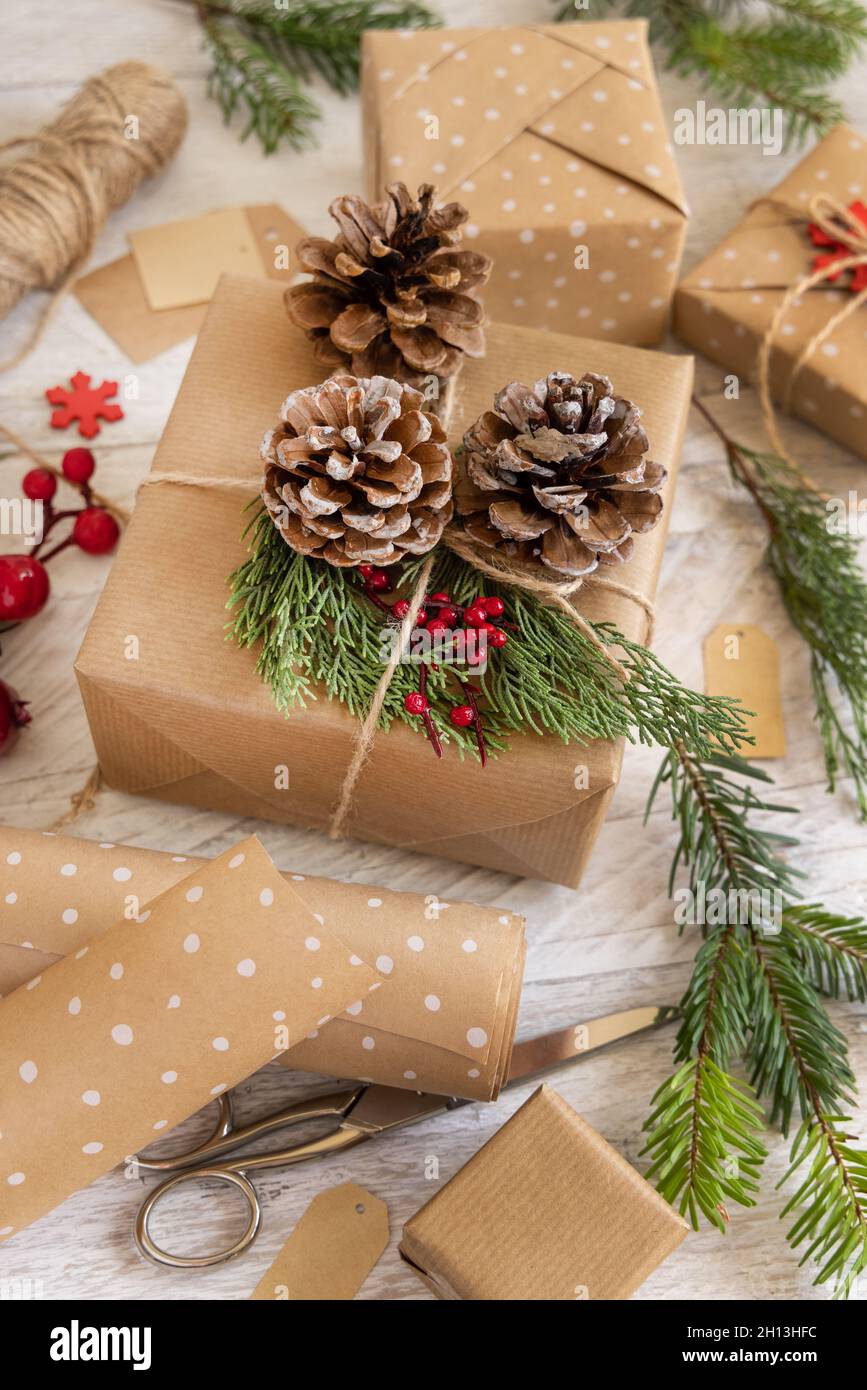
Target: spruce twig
264, 52
754, 994
824, 591
781, 54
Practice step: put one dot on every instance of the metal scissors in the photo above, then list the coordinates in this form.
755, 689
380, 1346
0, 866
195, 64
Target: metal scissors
361, 1112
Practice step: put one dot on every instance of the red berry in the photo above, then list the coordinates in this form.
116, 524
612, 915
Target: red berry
438, 625
421, 617
415, 702
494, 607
474, 617
13, 717
378, 581
448, 614
497, 638
462, 715
24, 587
95, 530
439, 597
400, 609
78, 465
39, 485
365, 571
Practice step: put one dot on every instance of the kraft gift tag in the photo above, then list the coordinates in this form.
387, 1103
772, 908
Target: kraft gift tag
742, 661
181, 262
332, 1250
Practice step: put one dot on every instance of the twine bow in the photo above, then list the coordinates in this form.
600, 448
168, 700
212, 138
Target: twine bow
842, 227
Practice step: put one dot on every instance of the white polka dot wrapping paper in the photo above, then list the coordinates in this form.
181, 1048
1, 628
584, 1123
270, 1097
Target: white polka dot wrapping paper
554, 138
135, 1031
724, 307
445, 1023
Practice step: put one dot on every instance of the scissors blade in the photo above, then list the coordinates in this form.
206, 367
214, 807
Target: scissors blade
382, 1108
537, 1056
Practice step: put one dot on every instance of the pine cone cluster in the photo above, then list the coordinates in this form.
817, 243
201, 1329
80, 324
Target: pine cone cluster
557, 473
358, 472
391, 295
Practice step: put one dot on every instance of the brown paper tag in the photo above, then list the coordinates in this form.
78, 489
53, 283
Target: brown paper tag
332, 1250
741, 660
181, 262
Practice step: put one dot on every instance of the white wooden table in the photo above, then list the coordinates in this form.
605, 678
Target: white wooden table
610, 945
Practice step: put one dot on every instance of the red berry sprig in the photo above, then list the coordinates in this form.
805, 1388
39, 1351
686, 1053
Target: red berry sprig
95, 530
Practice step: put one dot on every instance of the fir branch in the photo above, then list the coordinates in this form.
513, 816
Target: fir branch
314, 626
832, 950
771, 1015
264, 51
824, 591
781, 54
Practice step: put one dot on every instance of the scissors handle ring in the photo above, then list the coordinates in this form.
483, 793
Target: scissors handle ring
148, 1247
222, 1128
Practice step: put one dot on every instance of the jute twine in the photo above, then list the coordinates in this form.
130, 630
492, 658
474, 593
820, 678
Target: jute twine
838, 222
553, 593
123, 126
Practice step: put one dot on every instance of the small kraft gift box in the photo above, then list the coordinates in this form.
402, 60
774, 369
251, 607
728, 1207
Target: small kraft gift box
745, 293
181, 713
547, 1210
556, 137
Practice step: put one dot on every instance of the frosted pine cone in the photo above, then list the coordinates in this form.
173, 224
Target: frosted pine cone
558, 474
391, 294
358, 472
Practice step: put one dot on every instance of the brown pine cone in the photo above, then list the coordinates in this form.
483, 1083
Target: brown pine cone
557, 474
358, 472
390, 296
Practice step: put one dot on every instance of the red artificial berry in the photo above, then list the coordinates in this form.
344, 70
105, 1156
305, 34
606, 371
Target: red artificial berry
365, 571
24, 587
449, 614
494, 607
39, 485
497, 637
415, 702
462, 716
421, 617
400, 609
95, 531
78, 465
474, 617
13, 717
439, 597
378, 580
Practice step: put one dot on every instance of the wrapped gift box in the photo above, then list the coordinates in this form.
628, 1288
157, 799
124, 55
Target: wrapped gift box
724, 307
547, 1210
180, 712
554, 138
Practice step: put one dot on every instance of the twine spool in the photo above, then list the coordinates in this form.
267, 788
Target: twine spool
123, 126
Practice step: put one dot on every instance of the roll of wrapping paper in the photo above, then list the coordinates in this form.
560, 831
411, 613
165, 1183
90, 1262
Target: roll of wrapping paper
133, 1032
445, 1024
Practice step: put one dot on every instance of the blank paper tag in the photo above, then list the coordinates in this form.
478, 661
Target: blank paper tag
332, 1250
742, 661
181, 262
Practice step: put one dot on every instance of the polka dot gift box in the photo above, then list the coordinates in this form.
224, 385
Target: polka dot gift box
444, 1024
554, 137
726, 305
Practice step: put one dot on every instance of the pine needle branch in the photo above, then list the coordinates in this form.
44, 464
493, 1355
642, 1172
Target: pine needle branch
816, 565
313, 626
754, 993
263, 51
781, 54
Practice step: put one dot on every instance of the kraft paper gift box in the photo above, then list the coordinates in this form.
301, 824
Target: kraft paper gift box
189, 720
554, 137
724, 307
547, 1210
445, 1024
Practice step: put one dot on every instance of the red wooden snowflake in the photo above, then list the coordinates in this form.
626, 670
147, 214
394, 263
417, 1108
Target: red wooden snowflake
84, 403
840, 251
